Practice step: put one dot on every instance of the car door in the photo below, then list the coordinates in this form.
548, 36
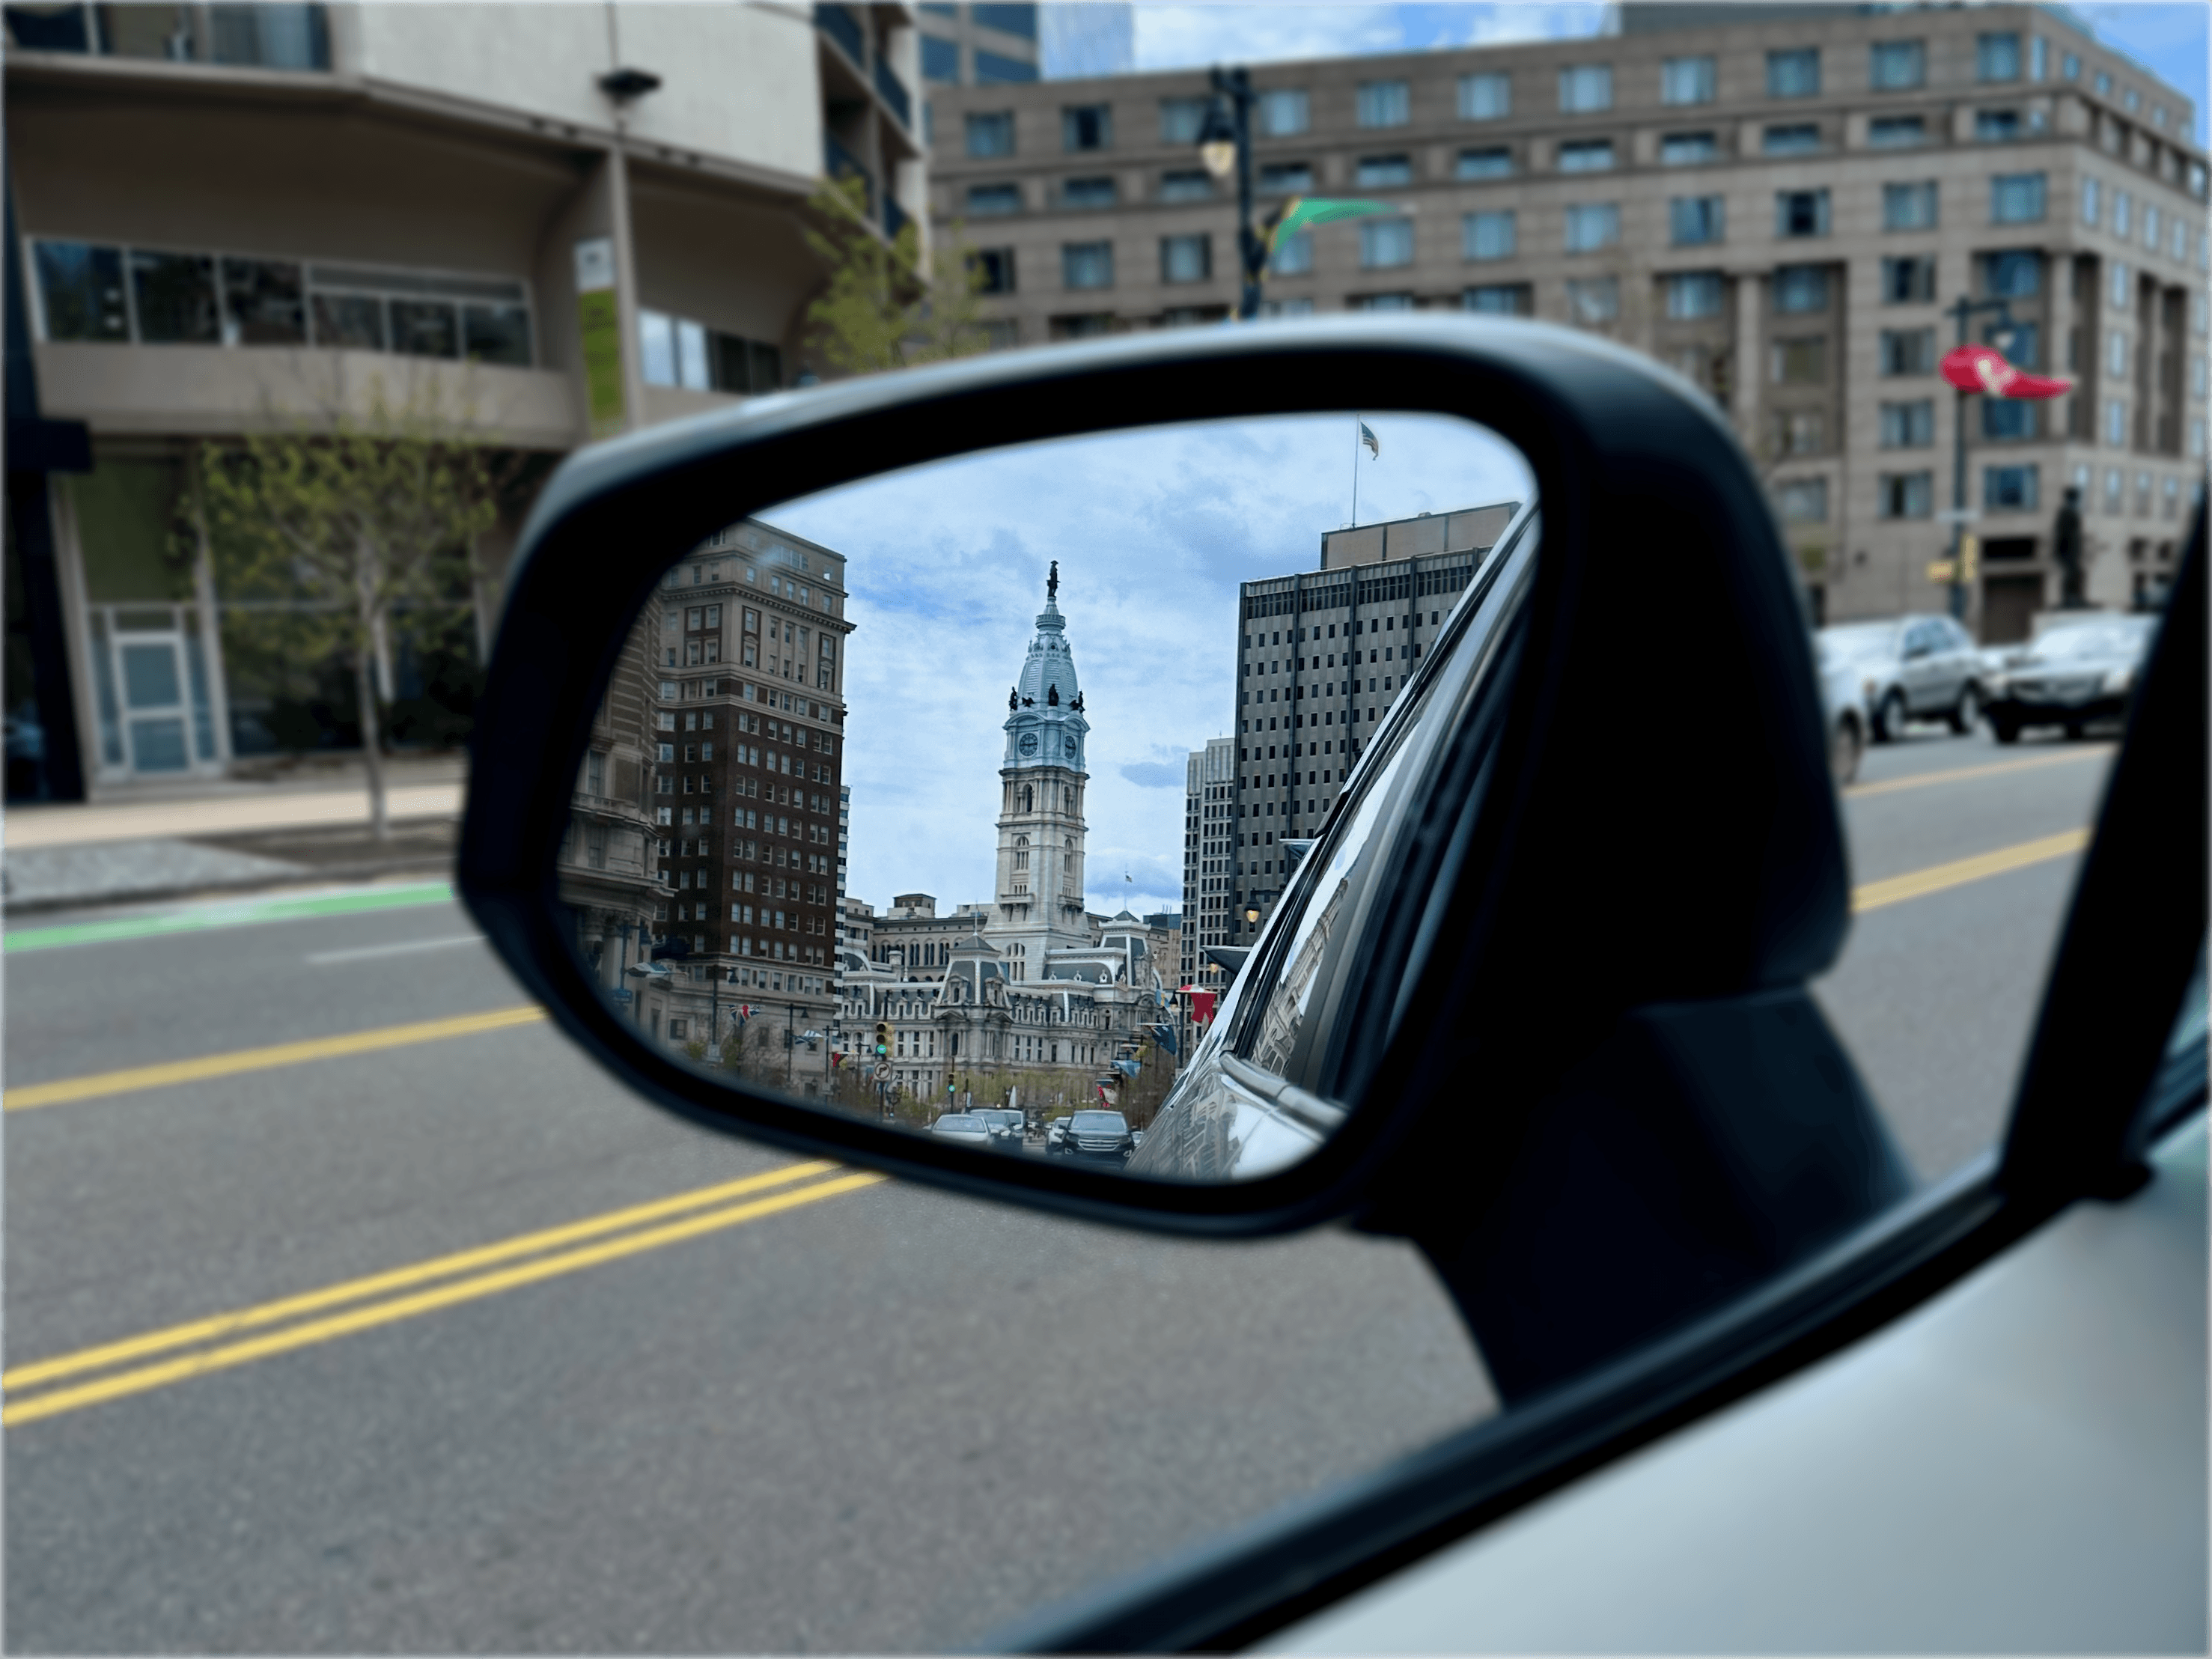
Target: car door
1921, 670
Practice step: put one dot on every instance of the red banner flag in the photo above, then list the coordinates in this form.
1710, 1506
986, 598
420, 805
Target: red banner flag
1982, 369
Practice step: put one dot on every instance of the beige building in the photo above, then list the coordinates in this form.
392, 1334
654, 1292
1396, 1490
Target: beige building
1780, 202
554, 222
1321, 655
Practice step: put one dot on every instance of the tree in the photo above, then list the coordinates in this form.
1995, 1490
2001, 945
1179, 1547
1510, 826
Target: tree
877, 312
361, 522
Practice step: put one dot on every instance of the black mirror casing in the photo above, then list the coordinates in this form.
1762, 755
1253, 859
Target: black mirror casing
1615, 866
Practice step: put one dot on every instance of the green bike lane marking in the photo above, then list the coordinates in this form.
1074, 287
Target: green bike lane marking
229, 916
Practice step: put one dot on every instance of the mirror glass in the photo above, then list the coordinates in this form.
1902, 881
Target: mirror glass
958, 798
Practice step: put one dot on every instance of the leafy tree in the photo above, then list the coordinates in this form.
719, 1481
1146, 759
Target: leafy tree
877, 312
364, 524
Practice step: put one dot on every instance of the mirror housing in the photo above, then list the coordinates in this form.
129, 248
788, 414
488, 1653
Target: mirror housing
1655, 537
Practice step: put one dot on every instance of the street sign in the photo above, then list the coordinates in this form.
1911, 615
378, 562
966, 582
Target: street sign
1942, 570
1960, 515
624, 994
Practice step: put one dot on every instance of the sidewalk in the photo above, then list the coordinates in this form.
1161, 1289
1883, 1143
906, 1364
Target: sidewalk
231, 836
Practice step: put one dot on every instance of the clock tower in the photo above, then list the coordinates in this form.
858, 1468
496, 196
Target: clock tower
1039, 898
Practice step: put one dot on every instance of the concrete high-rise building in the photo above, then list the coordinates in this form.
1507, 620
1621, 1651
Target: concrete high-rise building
550, 222
1209, 849
1778, 202
976, 46
1321, 655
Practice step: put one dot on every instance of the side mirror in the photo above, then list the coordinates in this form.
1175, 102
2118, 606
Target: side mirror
1469, 952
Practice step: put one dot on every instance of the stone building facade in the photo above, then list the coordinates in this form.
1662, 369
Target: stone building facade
1780, 202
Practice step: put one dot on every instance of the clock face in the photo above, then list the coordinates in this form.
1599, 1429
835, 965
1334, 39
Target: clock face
1029, 743
1070, 748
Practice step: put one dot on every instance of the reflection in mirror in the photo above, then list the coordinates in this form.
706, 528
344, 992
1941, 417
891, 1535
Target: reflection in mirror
954, 799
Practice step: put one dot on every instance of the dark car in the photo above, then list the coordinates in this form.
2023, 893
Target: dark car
1098, 1137
2072, 676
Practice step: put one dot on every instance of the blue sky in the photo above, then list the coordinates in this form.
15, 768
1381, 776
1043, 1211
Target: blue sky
2170, 39
1153, 529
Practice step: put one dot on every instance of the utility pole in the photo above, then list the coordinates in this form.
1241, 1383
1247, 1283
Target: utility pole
1225, 142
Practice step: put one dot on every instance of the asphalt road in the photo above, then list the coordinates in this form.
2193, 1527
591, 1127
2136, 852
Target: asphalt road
811, 1413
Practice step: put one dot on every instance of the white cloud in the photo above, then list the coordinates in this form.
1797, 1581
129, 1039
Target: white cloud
1154, 530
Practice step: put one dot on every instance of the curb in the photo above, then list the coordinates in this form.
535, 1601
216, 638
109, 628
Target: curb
304, 876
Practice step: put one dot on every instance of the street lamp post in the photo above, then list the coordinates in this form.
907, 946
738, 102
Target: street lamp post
1963, 310
1225, 143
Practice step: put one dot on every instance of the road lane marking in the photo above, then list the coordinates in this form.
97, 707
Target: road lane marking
406, 947
1918, 883
407, 1307
1961, 774
397, 1278
201, 918
263, 1059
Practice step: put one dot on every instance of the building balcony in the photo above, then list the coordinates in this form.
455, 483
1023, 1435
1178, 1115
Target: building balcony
274, 37
841, 26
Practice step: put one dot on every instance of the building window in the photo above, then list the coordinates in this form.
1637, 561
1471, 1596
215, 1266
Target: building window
1287, 179
2116, 424
1180, 119
1682, 150
993, 69
1486, 97
1800, 289
1801, 213
1802, 500
1794, 74
940, 61
2124, 213
991, 134
2150, 227
2093, 208
994, 269
1799, 140
1086, 264
1088, 193
1585, 88
1692, 294
1897, 66
2116, 355
1385, 103
1188, 184
1185, 258
1687, 81
2009, 489
1586, 155
1385, 242
1592, 226
2115, 482
1594, 301
2015, 274
1285, 112
1695, 221
1910, 425
1996, 58
1896, 132
1909, 207
1484, 164
1293, 257
1380, 303
2008, 417
993, 201
1906, 494
1801, 360
1498, 300
1086, 126
2123, 285
2016, 199
1997, 126
1910, 281
1384, 172
1488, 235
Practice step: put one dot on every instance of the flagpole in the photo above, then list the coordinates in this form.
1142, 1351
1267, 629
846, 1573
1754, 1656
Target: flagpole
1355, 471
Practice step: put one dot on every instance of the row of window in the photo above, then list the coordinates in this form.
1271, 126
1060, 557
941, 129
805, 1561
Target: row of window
1589, 228
2006, 489
149, 296
677, 351
1582, 89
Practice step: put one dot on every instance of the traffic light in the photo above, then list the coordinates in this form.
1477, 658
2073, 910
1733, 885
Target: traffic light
883, 1036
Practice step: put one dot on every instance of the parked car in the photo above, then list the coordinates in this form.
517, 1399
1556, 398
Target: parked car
1845, 706
966, 1128
1055, 1136
2072, 676
1005, 1126
1909, 668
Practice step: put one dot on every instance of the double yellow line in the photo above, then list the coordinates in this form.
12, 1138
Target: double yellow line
220, 1341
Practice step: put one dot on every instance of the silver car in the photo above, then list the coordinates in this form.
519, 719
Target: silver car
966, 1128
1841, 701
1909, 668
